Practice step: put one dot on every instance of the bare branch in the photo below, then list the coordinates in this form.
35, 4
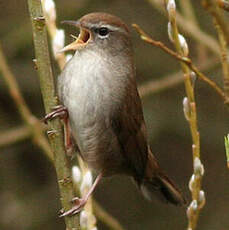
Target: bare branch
48, 92
185, 60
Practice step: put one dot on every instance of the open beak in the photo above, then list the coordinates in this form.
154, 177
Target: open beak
82, 39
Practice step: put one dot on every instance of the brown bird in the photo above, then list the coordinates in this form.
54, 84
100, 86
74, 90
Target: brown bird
100, 99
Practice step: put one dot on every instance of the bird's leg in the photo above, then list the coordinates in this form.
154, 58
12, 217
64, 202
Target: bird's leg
62, 112
67, 136
80, 202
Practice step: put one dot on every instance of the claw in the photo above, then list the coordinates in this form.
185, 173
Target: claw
80, 202
62, 112
58, 111
79, 205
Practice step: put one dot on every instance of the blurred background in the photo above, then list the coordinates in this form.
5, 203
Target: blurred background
29, 195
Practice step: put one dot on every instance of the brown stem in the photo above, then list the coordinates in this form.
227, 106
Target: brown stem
184, 60
48, 92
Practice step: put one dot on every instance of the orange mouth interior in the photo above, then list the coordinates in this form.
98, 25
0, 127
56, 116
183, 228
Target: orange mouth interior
80, 42
84, 36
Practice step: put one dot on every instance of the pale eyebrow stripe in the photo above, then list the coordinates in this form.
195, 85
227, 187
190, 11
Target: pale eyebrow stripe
110, 27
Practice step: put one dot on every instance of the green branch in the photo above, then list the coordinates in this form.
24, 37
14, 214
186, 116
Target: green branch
48, 92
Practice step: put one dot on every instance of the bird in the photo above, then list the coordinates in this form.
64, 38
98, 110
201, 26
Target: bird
102, 110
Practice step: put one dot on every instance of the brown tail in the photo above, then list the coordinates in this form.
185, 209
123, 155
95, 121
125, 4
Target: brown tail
156, 183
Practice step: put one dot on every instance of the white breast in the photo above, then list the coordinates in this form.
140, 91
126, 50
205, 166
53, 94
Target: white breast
90, 88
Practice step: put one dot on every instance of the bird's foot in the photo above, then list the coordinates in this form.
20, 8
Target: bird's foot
58, 111
62, 112
79, 204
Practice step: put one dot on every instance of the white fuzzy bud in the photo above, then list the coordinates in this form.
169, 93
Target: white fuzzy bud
193, 78
194, 205
58, 41
76, 174
50, 9
202, 199
198, 167
191, 182
87, 182
186, 108
171, 8
95, 228
170, 32
83, 219
68, 57
183, 44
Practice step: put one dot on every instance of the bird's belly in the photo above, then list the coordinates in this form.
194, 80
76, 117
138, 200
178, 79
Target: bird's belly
89, 112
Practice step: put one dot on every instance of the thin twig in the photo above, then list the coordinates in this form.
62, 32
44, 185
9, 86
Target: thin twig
48, 92
190, 28
31, 121
185, 60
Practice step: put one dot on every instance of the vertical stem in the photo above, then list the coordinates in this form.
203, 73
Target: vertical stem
48, 92
224, 60
194, 210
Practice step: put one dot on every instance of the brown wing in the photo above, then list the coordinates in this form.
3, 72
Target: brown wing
129, 127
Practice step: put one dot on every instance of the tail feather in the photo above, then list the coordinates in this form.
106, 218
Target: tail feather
156, 183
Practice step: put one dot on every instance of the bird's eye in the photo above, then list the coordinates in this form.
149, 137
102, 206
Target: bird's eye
103, 31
